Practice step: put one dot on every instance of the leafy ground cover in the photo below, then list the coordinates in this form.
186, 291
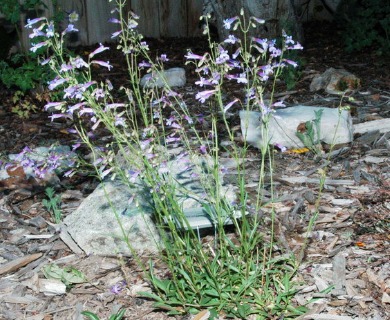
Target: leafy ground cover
358, 230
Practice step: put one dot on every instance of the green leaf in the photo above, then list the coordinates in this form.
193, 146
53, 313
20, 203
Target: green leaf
72, 275
52, 271
150, 296
212, 293
118, 316
163, 285
243, 310
90, 315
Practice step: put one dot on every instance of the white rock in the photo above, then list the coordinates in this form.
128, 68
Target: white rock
174, 77
51, 287
335, 127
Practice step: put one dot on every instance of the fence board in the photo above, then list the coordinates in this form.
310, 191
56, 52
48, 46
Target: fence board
194, 11
147, 10
173, 18
158, 18
98, 14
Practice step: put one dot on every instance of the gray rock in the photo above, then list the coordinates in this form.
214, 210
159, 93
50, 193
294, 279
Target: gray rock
94, 225
103, 220
335, 81
335, 127
174, 77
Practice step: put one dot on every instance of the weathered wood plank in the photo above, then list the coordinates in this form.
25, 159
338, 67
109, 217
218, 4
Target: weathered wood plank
173, 18
194, 11
18, 263
98, 28
147, 10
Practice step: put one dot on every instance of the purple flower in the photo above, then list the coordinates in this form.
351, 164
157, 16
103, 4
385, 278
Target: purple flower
259, 21
193, 56
188, 118
172, 139
145, 143
133, 175
30, 22
109, 85
78, 62
36, 33
262, 42
75, 107
203, 82
279, 104
297, 46
56, 82
66, 67
275, 52
290, 62
114, 105
215, 78
134, 16
223, 56
86, 110
228, 106
120, 121
204, 95
265, 72
46, 61
98, 93
36, 46
164, 58
115, 34
170, 120
40, 172
76, 146
132, 24
86, 85
114, 20
144, 45
103, 64
241, 78
144, 64
104, 173
50, 30
281, 147
203, 149
264, 109
231, 39
59, 115
73, 92
236, 53
227, 23
54, 105
98, 50
69, 28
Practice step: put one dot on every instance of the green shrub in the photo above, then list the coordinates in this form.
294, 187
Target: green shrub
365, 24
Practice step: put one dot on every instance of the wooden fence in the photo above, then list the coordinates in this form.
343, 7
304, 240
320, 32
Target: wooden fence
158, 18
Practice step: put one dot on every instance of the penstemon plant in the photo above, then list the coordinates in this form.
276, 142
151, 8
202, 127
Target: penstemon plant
237, 274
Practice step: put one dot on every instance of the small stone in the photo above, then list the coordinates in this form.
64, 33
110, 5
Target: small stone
309, 197
38, 222
174, 77
335, 81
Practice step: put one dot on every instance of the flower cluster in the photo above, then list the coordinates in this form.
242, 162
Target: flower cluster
41, 163
247, 68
